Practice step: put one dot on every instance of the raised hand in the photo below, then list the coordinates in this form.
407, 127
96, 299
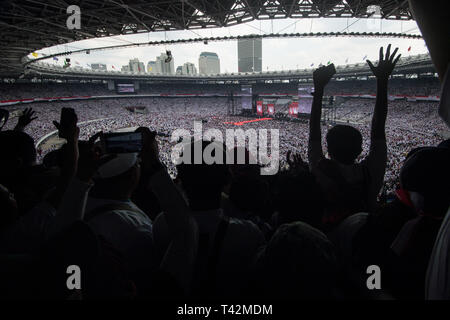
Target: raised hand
296, 161
322, 76
25, 119
386, 63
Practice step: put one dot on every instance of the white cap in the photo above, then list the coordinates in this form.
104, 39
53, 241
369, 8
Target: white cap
118, 165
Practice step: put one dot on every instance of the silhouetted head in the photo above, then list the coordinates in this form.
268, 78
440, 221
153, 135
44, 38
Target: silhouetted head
54, 158
426, 175
444, 144
203, 180
299, 198
344, 143
18, 152
299, 262
249, 193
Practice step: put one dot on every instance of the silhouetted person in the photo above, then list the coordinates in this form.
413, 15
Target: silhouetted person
351, 187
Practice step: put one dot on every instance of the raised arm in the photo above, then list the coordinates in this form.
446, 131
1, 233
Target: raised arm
25, 119
382, 72
321, 77
377, 158
180, 256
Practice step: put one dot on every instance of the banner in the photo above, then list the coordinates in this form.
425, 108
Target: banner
271, 109
259, 108
293, 109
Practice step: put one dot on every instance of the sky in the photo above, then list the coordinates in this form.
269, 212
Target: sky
278, 53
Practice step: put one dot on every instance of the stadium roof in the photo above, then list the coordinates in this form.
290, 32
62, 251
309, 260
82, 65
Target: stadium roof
29, 25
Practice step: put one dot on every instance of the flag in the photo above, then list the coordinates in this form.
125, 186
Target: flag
346, 60
55, 58
312, 64
113, 67
35, 54
409, 49
365, 57
328, 63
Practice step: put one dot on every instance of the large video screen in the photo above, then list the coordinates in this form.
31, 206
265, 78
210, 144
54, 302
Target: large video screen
125, 88
305, 104
305, 99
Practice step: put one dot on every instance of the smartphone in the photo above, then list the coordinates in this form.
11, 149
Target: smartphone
122, 142
68, 118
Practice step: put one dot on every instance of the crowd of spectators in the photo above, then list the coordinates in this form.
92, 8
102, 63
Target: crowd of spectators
139, 226
409, 124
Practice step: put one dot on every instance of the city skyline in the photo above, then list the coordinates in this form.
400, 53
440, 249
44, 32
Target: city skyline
279, 53
154, 66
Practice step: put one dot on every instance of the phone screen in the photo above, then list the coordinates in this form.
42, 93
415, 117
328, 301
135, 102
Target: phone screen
123, 142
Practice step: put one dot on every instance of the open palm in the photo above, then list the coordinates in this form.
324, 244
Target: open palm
386, 63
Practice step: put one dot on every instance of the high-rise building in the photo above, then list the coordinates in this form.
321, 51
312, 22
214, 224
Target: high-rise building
98, 66
164, 67
209, 63
188, 68
179, 70
250, 55
151, 67
136, 66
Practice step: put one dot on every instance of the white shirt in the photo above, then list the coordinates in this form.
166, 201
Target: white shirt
128, 231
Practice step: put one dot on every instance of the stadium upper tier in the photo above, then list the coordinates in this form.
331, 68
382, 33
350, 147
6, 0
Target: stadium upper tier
419, 64
30, 25
425, 86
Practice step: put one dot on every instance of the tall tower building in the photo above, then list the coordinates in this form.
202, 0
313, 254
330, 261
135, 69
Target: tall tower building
151, 67
136, 66
209, 63
250, 55
189, 68
164, 67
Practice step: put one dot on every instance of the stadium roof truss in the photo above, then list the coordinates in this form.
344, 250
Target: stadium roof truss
29, 25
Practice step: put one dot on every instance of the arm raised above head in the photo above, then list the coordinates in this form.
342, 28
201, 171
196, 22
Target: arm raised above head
321, 78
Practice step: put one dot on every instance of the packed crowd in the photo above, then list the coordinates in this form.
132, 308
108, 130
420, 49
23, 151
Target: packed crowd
409, 124
139, 226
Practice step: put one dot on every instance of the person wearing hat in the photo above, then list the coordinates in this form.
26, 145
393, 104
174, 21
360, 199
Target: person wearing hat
111, 213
